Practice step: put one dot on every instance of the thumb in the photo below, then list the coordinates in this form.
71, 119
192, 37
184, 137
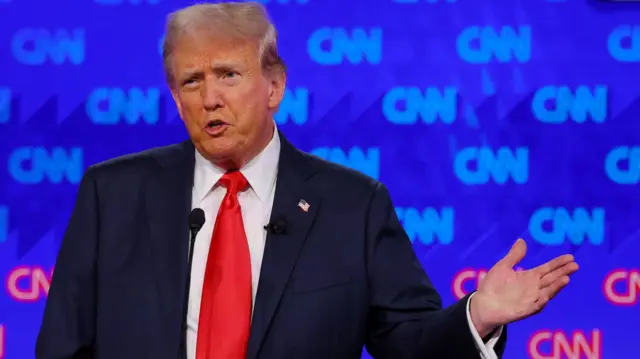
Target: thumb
516, 253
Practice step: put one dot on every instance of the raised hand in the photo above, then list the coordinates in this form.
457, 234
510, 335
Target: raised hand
505, 295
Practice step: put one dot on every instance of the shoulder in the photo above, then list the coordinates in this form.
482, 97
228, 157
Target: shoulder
340, 174
138, 164
343, 182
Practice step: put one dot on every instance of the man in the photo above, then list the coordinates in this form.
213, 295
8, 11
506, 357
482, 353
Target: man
333, 272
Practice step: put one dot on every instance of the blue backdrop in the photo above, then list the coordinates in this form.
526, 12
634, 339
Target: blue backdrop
487, 119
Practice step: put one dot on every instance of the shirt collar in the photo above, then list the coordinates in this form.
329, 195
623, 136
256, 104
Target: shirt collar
260, 172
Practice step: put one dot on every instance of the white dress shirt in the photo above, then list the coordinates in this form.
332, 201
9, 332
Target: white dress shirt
256, 203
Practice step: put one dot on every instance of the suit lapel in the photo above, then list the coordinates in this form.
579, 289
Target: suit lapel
282, 250
168, 203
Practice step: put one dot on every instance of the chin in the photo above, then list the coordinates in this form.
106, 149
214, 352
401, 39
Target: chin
219, 150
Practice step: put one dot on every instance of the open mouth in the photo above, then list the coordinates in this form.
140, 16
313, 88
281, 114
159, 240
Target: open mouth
215, 123
215, 127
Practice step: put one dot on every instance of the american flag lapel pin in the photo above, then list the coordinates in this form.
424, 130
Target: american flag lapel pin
304, 205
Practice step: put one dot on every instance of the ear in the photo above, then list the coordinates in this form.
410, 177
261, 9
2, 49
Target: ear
176, 99
277, 83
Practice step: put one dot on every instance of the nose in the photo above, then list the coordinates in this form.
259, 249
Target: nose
212, 96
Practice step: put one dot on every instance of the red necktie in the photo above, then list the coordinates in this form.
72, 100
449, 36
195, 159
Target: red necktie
225, 310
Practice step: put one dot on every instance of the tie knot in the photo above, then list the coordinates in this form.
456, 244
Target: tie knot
234, 181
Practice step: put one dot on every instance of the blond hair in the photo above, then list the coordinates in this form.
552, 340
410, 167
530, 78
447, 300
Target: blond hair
235, 20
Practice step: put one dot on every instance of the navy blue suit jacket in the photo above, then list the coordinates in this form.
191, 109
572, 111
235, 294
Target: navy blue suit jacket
343, 275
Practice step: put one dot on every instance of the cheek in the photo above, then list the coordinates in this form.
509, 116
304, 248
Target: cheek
191, 105
246, 103
260, 97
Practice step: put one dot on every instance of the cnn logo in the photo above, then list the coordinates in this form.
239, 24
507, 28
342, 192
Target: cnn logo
556, 344
621, 286
29, 284
2, 341
466, 281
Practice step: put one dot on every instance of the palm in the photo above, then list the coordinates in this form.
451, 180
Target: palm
508, 295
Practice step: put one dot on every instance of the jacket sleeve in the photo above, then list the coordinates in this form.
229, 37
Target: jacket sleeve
68, 325
406, 317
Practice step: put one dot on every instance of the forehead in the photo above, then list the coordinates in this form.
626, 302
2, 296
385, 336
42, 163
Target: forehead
195, 49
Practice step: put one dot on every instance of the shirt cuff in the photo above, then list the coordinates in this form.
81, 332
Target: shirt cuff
486, 349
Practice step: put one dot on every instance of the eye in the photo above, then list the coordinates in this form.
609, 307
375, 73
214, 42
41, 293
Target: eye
189, 82
230, 74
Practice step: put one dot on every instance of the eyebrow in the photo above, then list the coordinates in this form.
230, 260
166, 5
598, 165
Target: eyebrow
217, 67
225, 66
190, 73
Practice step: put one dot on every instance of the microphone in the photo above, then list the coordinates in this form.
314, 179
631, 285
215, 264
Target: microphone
196, 221
279, 226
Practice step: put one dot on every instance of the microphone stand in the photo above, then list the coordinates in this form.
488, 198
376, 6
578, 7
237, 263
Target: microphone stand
185, 309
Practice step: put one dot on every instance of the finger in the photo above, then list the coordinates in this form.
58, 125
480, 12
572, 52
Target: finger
516, 253
566, 270
553, 264
547, 294
554, 288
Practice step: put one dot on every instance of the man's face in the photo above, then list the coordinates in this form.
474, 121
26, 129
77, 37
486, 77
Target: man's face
224, 98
